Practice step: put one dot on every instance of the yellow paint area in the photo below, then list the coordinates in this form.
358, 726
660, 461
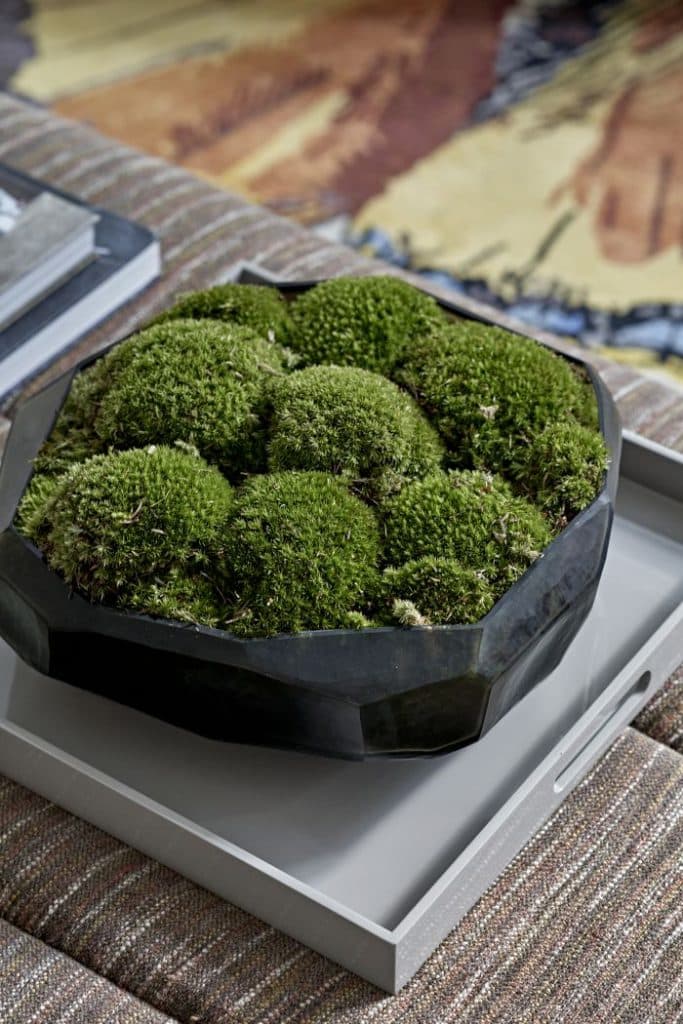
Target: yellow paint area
286, 142
81, 45
484, 202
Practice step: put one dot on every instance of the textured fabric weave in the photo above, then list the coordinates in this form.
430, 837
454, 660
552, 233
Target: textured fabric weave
663, 717
38, 985
584, 927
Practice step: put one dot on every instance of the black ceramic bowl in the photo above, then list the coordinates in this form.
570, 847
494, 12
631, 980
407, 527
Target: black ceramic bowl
347, 693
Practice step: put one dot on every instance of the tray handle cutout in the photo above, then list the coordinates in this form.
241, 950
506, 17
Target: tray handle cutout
590, 751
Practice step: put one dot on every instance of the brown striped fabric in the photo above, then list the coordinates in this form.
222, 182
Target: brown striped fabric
39, 985
663, 717
584, 927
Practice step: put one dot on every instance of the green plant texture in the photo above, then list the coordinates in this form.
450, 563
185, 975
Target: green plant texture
354, 423
470, 516
198, 381
432, 590
489, 391
121, 519
563, 469
369, 322
388, 467
302, 552
247, 305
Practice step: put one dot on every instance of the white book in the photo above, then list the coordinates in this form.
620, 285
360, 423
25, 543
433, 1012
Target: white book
49, 239
100, 261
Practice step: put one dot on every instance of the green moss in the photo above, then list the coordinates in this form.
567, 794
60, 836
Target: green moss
466, 515
32, 514
587, 410
120, 518
365, 321
348, 421
248, 305
124, 506
73, 437
563, 469
302, 554
488, 390
430, 591
179, 597
358, 620
197, 381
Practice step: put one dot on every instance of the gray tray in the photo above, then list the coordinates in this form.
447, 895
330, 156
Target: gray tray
370, 863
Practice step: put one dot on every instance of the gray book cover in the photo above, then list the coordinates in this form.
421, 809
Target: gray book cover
125, 258
50, 238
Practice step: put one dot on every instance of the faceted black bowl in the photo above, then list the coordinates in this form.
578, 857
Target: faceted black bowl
344, 693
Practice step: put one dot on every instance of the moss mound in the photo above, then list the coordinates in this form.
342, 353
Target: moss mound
488, 391
469, 516
563, 469
247, 305
73, 437
302, 554
123, 519
178, 596
32, 518
197, 381
347, 421
435, 590
361, 321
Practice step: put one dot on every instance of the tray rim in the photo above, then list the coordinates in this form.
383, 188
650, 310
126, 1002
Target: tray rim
386, 956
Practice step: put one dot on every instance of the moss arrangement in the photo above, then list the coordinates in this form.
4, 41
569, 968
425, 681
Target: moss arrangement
354, 459
198, 381
470, 517
303, 553
490, 391
126, 519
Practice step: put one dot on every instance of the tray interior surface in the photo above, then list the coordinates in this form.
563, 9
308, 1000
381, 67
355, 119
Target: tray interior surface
371, 836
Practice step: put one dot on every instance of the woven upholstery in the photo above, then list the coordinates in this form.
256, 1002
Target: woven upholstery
585, 925
38, 985
663, 717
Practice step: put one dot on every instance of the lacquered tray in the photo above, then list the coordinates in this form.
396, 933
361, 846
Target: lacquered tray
371, 863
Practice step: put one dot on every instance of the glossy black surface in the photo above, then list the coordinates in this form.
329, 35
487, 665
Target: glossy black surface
344, 693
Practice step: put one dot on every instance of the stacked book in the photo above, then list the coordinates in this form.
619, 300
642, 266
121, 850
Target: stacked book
64, 267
